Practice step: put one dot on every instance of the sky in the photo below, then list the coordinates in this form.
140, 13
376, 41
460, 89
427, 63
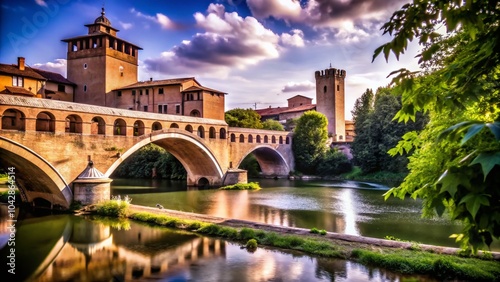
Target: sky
260, 52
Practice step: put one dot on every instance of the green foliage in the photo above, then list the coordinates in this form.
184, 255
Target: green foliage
142, 163
242, 186
116, 207
322, 232
314, 230
251, 165
334, 162
309, 143
377, 132
246, 118
251, 244
456, 159
272, 124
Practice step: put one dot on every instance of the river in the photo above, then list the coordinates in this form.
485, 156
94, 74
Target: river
349, 207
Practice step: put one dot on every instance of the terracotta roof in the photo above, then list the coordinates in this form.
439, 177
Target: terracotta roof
149, 83
282, 110
17, 90
297, 96
198, 88
53, 76
14, 70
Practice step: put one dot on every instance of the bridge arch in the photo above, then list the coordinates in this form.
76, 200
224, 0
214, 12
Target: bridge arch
35, 177
45, 121
200, 162
270, 160
13, 119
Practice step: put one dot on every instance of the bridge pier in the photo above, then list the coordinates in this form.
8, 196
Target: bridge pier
91, 186
235, 176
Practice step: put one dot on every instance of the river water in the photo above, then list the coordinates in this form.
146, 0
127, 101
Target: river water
349, 207
70, 248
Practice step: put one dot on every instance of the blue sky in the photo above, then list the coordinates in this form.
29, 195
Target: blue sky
261, 52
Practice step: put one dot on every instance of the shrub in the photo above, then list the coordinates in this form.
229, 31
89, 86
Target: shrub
334, 162
322, 232
314, 230
247, 233
242, 186
116, 207
251, 244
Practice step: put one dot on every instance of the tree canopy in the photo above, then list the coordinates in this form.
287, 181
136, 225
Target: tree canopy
246, 118
309, 141
456, 159
272, 124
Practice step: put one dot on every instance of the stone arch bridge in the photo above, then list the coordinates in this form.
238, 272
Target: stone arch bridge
48, 144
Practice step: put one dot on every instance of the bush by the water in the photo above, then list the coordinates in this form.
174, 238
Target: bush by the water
116, 207
242, 186
252, 244
334, 162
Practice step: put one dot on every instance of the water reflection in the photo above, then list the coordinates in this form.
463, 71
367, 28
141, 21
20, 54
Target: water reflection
349, 212
99, 249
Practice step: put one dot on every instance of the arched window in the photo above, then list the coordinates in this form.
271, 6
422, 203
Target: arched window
250, 138
266, 139
45, 121
120, 127
287, 140
324, 89
201, 131
233, 137
73, 124
211, 133
258, 138
98, 126
222, 133
242, 138
281, 139
13, 119
138, 128
195, 113
273, 139
189, 128
174, 125
156, 126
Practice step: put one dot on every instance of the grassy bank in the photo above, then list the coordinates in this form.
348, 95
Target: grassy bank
440, 266
242, 186
386, 177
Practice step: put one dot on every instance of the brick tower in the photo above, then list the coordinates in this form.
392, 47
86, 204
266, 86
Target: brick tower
330, 91
100, 62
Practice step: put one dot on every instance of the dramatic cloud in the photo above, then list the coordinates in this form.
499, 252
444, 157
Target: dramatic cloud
58, 66
160, 19
41, 3
229, 41
298, 86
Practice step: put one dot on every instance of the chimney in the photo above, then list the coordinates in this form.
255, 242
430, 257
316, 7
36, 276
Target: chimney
20, 63
150, 79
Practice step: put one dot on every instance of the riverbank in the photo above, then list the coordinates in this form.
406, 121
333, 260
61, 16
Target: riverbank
404, 257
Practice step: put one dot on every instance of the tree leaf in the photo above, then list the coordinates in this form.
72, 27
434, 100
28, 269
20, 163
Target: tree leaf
487, 162
474, 201
495, 129
473, 130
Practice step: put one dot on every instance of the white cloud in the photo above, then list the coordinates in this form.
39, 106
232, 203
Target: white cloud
125, 25
229, 41
161, 19
58, 66
298, 86
41, 3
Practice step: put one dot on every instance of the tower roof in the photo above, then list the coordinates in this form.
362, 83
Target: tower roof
102, 19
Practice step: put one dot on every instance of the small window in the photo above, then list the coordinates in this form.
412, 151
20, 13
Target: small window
18, 81
338, 87
85, 66
145, 108
160, 90
199, 96
165, 109
324, 89
108, 30
61, 88
177, 109
133, 92
147, 91
140, 92
119, 93
160, 109
85, 88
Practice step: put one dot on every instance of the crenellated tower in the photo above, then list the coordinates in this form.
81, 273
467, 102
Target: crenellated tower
330, 92
100, 62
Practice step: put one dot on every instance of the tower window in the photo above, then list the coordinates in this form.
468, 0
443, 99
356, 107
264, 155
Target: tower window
140, 92
160, 90
177, 109
160, 109
145, 108
147, 91
85, 66
324, 89
338, 87
85, 88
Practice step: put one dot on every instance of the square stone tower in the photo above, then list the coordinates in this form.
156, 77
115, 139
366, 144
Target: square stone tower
330, 92
100, 62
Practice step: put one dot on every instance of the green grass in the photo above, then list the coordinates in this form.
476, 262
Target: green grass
116, 207
443, 267
242, 186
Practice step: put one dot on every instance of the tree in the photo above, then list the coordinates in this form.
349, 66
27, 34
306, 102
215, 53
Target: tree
456, 162
246, 118
334, 162
309, 141
272, 124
